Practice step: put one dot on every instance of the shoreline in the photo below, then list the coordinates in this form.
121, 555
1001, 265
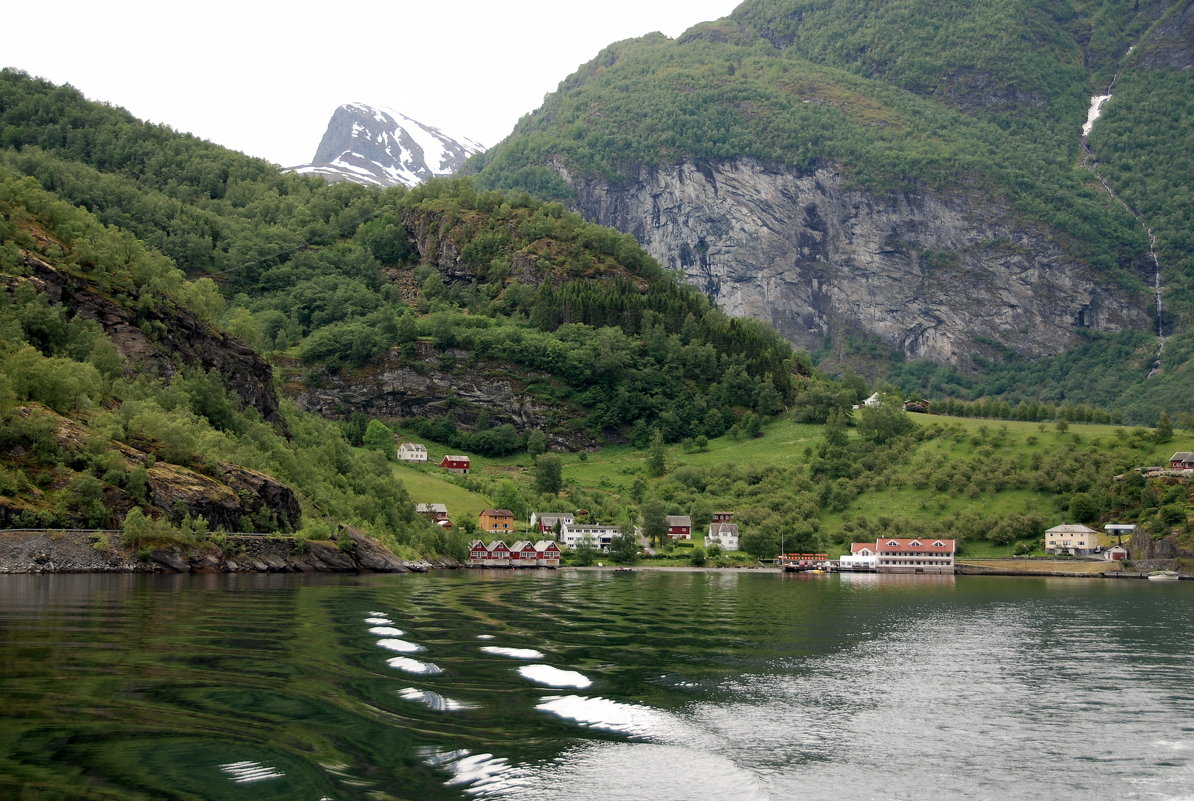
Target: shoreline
58, 551
25, 552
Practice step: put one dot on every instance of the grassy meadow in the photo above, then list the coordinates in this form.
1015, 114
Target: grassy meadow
994, 485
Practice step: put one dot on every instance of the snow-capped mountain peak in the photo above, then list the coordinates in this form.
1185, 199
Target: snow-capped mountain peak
376, 145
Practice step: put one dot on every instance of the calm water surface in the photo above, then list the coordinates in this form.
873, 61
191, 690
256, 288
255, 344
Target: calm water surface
594, 685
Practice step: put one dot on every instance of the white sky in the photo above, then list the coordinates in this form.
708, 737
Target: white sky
264, 77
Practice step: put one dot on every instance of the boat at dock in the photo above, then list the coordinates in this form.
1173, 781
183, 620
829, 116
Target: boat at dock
803, 562
1163, 575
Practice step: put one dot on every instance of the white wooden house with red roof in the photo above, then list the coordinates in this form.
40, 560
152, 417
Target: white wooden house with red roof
917, 555
863, 556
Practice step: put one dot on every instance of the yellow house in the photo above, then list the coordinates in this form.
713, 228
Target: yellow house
497, 520
1071, 538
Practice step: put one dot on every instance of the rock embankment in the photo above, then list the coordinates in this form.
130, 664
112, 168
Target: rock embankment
105, 552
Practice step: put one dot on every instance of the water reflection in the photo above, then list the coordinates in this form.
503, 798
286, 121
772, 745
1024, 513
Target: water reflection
692, 686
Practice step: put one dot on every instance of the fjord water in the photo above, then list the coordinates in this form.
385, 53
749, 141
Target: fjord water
595, 685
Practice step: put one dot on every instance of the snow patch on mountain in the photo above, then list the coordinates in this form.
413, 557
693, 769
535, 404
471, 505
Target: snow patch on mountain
380, 146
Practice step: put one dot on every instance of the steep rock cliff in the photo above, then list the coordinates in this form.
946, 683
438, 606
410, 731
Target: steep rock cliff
431, 383
159, 338
939, 276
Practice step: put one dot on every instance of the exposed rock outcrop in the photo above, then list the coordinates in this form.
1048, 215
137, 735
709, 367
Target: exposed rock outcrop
435, 383
939, 276
178, 337
227, 498
105, 552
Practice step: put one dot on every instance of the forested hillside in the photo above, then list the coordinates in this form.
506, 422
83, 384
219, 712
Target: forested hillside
978, 103
133, 256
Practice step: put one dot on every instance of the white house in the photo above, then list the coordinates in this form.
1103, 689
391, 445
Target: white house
412, 452
723, 535
546, 521
862, 556
597, 535
919, 555
1072, 538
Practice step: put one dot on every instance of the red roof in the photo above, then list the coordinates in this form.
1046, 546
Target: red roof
922, 544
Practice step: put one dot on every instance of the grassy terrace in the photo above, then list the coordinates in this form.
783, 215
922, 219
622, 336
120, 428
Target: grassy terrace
970, 470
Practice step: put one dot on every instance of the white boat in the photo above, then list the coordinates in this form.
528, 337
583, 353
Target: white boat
1163, 575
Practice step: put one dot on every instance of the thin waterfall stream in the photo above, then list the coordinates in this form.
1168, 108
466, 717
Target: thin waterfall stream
1090, 161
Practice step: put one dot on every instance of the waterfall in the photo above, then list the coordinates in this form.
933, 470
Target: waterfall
1097, 103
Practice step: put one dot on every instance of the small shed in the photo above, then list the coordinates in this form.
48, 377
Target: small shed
1116, 553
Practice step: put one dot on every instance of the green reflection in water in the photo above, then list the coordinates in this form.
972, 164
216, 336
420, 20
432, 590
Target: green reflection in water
263, 687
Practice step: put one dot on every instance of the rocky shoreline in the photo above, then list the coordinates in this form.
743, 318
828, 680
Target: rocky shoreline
105, 552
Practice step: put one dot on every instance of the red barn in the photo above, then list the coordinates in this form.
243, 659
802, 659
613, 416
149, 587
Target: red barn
455, 464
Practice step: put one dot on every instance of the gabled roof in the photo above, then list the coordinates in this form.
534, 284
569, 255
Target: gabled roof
493, 545
521, 545
498, 513
452, 458
916, 544
1182, 456
859, 547
414, 446
543, 545
723, 529
431, 507
1071, 528
679, 520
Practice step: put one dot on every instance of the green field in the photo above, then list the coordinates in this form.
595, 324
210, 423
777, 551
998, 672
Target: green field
959, 477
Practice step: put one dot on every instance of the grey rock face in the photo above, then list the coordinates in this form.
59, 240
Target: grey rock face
940, 276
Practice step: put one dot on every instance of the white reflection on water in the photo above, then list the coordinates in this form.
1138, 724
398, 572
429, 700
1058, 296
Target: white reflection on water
513, 653
554, 677
401, 646
379, 621
249, 772
409, 665
601, 713
605, 771
386, 631
434, 701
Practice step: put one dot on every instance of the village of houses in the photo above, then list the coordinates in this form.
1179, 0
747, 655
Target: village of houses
897, 555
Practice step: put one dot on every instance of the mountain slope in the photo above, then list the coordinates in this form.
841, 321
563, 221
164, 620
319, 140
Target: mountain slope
378, 146
940, 147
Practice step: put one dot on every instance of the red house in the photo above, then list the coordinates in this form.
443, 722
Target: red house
523, 554
455, 464
723, 517
1182, 460
547, 553
679, 527
499, 554
477, 552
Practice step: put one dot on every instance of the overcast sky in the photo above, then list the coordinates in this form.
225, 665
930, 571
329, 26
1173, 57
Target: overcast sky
264, 77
